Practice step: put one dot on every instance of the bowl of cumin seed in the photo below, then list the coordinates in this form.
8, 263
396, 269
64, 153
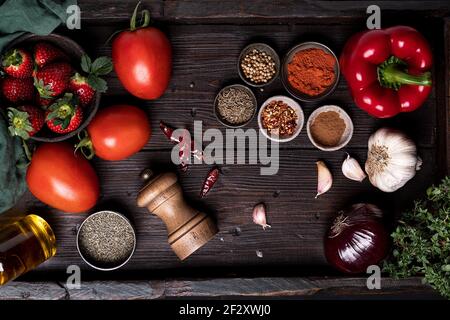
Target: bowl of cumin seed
235, 106
106, 240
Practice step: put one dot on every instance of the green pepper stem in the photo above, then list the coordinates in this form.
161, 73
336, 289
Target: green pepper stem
85, 145
393, 73
145, 15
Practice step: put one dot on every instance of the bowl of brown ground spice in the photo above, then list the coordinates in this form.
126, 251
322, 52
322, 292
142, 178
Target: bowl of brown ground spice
329, 128
310, 71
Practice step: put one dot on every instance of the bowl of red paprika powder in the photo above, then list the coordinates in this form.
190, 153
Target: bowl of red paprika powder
310, 71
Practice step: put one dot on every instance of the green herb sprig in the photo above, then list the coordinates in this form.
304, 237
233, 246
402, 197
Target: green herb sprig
421, 242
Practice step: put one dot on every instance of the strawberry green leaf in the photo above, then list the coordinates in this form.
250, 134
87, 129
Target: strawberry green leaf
68, 98
86, 63
63, 108
72, 100
102, 66
78, 78
20, 133
66, 122
19, 123
45, 91
97, 83
12, 58
52, 115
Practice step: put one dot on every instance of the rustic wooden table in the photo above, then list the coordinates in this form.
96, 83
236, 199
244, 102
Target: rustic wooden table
207, 37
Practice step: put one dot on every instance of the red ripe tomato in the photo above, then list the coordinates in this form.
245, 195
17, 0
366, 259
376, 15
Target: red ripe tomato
142, 59
62, 179
116, 132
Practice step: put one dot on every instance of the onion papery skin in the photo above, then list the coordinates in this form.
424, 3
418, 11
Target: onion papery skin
360, 239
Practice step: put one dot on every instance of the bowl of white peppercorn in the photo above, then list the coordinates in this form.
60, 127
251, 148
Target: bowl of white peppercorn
258, 65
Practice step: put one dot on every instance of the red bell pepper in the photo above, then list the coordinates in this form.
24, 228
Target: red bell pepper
388, 70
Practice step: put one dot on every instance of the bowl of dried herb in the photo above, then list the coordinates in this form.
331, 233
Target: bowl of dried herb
106, 240
235, 106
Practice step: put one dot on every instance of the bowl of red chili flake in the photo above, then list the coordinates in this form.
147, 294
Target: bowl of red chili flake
310, 71
280, 119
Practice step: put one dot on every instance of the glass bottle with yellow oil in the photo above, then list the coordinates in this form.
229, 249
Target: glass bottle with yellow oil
24, 245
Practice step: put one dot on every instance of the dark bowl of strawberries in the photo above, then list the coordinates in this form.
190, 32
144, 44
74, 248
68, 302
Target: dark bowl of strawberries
50, 88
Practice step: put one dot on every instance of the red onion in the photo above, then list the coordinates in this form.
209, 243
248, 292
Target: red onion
357, 239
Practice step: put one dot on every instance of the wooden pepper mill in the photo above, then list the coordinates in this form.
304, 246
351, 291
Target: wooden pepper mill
188, 229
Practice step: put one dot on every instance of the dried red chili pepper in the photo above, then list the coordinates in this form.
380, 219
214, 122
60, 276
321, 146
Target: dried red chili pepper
209, 182
194, 150
183, 167
168, 132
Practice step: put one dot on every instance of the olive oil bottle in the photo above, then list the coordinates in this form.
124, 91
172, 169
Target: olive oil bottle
24, 245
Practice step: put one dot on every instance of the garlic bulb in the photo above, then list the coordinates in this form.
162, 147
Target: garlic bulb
391, 159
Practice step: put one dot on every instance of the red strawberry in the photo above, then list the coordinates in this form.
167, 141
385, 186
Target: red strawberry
25, 121
18, 63
53, 79
45, 53
86, 86
80, 86
65, 115
18, 90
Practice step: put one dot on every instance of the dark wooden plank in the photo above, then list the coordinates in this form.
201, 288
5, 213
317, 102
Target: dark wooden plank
115, 290
298, 221
264, 287
445, 115
312, 288
113, 10
441, 89
32, 291
255, 11
205, 59
260, 10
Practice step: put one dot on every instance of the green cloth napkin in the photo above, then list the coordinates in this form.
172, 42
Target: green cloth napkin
13, 166
35, 16
17, 17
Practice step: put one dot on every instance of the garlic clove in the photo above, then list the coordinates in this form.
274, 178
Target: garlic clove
259, 216
419, 164
352, 170
324, 178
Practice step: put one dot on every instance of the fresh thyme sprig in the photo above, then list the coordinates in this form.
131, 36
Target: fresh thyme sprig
421, 242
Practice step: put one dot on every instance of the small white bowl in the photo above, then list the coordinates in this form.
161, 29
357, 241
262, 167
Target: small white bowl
300, 118
346, 136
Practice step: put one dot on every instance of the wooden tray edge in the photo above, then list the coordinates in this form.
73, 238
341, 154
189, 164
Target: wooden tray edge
296, 287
